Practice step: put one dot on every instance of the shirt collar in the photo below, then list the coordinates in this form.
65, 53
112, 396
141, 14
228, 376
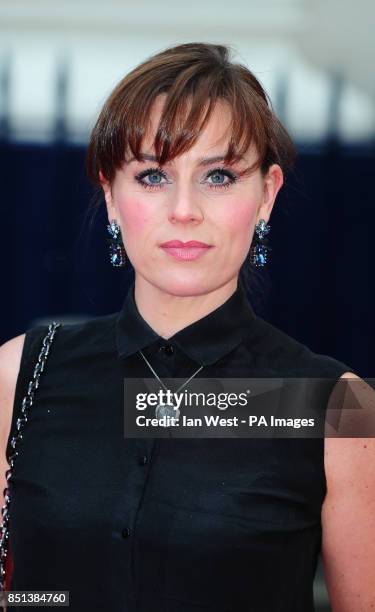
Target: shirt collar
205, 341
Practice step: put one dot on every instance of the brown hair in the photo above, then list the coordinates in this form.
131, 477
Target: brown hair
200, 73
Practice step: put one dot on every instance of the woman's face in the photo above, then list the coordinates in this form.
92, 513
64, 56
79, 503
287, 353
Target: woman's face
192, 198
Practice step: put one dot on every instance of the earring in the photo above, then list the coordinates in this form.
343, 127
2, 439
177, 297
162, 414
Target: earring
259, 252
117, 251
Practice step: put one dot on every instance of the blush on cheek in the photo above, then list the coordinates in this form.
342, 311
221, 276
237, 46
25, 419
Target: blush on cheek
134, 213
242, 218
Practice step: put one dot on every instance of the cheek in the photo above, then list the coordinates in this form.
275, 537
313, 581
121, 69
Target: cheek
135, 216
238, 217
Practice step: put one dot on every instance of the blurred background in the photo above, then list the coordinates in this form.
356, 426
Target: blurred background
59, 61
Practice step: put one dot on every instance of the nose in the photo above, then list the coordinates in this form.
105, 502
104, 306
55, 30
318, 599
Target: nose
184, 206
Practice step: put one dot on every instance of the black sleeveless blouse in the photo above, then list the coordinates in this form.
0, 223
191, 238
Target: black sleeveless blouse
163, 525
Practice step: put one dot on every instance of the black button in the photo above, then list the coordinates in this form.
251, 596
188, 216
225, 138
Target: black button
125, 532
143, 460
168, 349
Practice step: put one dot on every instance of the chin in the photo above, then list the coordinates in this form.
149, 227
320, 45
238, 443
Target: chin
184, 285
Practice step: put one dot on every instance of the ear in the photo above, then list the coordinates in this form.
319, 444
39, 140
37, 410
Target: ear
272, 183
107, 189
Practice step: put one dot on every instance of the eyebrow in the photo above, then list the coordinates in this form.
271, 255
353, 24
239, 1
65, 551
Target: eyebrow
204, 161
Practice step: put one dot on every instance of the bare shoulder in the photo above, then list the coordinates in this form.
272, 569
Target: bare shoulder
349, 445
10, 359
348, 512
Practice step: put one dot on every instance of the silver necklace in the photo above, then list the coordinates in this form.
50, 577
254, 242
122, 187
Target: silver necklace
168, 410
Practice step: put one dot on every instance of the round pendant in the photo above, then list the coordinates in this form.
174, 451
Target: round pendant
167, 410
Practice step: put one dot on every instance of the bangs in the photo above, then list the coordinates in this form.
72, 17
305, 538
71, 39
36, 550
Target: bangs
193, 82
186, 112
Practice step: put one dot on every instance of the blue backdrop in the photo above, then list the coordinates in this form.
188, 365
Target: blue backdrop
318, 287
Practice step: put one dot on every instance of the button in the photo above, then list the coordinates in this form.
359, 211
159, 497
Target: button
125, 532
143, 460
168, 349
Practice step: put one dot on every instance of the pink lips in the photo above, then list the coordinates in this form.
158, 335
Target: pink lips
186, 251
179, 244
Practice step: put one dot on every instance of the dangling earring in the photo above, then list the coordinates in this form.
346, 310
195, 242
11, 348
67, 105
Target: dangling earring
117, 251
259, 252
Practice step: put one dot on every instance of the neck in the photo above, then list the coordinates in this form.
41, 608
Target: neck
167, 313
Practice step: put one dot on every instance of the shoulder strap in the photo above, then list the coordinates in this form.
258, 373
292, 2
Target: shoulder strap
37, 369
33, 352
19, 419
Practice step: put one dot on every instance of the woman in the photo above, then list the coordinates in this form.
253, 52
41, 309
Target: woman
186, 150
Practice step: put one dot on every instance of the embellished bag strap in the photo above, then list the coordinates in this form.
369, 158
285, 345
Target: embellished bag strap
27, 402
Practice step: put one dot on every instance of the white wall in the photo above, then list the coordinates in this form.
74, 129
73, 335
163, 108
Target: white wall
286, 43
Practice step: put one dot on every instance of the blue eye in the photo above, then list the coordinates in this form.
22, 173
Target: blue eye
218, 176
154, 176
